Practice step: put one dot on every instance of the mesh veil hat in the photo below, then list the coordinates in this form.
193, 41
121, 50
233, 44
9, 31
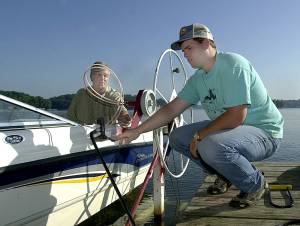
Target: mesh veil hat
192, 31
98, 64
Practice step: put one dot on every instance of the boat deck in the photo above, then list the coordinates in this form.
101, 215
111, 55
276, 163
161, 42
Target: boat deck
212, 210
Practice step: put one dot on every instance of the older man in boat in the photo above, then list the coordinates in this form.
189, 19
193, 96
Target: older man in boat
244, 124
86, 108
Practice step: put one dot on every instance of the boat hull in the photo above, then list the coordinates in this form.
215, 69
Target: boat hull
68, 189
50, 172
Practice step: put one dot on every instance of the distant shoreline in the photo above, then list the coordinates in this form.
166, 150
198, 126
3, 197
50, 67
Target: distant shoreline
62, 102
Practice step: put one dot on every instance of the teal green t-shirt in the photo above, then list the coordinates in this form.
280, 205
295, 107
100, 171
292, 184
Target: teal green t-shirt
231, 82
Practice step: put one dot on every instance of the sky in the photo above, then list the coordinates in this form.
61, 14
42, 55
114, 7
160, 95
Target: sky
46, 45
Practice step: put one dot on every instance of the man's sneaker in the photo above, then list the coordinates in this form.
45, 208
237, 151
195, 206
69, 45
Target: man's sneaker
220, 186
243, 199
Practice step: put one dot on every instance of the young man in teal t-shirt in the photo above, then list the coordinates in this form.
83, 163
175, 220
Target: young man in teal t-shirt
244, 124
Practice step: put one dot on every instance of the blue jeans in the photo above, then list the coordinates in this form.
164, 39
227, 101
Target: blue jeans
228, 152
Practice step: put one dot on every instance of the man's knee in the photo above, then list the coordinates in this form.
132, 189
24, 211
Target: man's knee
211, 151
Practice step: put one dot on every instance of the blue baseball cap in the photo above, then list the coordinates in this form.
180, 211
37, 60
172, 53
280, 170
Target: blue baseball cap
195, 30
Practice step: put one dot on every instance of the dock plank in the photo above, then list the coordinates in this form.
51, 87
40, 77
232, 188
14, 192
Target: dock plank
212, 210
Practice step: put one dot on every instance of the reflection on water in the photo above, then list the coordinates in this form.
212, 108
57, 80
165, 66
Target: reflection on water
289, 149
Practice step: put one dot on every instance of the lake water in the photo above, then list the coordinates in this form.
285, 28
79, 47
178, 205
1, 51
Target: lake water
180, 191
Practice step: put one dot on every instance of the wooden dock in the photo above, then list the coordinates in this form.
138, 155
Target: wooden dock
212, 210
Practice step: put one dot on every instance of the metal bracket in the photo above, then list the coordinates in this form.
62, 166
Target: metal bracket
281, 188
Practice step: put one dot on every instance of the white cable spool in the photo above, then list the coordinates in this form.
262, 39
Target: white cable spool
89, 87
178, 121
148, 103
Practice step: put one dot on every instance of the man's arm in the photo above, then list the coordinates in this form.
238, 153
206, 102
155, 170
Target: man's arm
71, 114
230, 119
160, 118
164, 115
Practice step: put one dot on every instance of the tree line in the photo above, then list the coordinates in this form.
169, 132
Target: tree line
287, 103
62, 102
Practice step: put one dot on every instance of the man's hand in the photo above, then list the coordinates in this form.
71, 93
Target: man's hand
124, 119
194, 146
127, 136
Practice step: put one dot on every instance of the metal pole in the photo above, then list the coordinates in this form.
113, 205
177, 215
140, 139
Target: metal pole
158, 179
143, 188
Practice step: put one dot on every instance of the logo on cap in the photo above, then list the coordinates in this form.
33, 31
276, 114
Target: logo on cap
200, 31
183, 31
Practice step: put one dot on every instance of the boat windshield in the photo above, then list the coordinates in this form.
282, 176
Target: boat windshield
13, 115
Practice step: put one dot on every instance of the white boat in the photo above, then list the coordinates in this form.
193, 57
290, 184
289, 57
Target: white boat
50, 173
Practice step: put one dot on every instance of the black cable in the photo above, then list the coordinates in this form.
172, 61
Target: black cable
112, 179
290, 202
